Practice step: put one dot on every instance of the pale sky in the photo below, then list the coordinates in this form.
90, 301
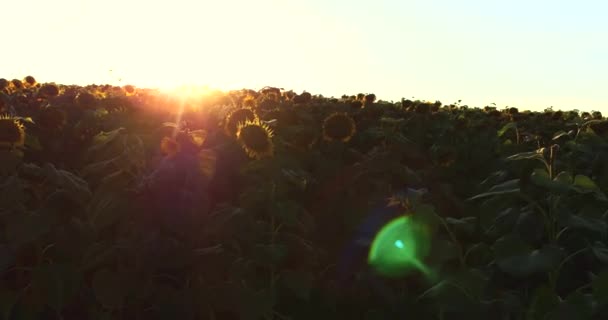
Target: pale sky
528, 54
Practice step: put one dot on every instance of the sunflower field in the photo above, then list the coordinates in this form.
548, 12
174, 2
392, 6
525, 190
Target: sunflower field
133, 203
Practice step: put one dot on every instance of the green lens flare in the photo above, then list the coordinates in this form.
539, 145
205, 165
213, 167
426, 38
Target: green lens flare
399, 248
399, 244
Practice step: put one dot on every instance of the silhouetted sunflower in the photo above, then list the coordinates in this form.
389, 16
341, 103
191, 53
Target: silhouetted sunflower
12, 132
17, 84
3, 83
237, 117
129, 90
256, 139
30, 81
339, 127
49, 90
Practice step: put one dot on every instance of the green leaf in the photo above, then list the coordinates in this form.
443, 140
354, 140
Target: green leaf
533, 155
76, 186
32, 142
442, 251
270, 254
507, 187
600, 251
494, 178
169, 124
56, 284
287, 212
9, 161
600, 288
297, 178
255, 305
107, 209
26, 228
207, 163
544, 301
530, 226
7, 257
514, 257
8, 299
465, 226
540, 177
576, 306
479, 254
298, 282
584, 223
110, 288
560, 134
506, 220
26, 119
198, 137
450, 296
564, 177
583, 183
507, 127
425, 215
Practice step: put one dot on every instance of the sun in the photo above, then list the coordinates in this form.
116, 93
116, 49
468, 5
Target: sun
187, 91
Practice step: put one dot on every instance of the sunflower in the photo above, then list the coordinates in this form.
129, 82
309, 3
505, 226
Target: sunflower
49, 90
3, 83
256, 139
85, 99
339, 127
17, 84
237, 117
12, 132
129, 90
29, 81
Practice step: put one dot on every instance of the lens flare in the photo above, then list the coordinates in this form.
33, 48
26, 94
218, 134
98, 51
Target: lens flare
399, 248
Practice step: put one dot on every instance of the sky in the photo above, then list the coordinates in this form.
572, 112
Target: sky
530, 54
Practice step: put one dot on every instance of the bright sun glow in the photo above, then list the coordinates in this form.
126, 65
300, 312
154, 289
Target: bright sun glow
187, 92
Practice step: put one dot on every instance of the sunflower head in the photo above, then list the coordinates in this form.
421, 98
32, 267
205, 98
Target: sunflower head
17, 83
256, 139
289, 94
3, 83
49, 90
369, 99
597, 115
339, 127
85, 99
12, 132
356, 104
29, 81
237, 117
129, 89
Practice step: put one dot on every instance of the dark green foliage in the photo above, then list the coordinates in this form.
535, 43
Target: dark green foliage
100, 220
